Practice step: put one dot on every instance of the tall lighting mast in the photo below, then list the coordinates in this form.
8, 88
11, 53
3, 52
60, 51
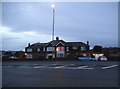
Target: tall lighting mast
53, 7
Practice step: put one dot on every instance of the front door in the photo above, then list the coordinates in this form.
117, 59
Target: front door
50, 56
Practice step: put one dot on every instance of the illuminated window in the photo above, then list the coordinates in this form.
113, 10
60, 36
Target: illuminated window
60, 48
29, 50
25, 54
60, 51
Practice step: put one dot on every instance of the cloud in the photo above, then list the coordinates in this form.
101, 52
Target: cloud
20, 38
4, 29
32, 22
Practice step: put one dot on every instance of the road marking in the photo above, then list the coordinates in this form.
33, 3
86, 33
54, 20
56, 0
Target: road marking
59, 67
22, 66
62, 66
30, 66
81, 67
38, 66
107, 67
87, 68
84, 67
76, 67
72, 64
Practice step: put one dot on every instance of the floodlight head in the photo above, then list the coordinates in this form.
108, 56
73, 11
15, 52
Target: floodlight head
53, 6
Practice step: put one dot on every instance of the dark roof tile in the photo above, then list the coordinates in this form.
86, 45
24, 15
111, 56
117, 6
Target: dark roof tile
37, 45
55, 42
75, 44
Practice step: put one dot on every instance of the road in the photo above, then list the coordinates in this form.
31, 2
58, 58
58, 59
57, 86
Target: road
59, 74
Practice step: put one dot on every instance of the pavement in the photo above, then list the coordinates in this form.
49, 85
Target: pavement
59, 74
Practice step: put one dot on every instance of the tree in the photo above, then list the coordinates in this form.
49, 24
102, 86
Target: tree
97, 48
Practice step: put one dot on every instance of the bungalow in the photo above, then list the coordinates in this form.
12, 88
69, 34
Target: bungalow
55, 49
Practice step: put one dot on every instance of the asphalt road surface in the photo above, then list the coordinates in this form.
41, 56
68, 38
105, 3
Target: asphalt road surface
59, 74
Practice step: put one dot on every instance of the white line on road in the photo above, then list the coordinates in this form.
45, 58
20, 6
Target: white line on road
81, 67
38, 66
84, 67
22, 66
30, 67
107, 67
72, 64
59, 67
87, 68
76, 67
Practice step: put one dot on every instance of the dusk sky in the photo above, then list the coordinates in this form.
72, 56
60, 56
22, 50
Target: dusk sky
23, 23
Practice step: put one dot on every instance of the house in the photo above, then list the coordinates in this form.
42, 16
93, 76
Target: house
7, 54
2, 53
55, 49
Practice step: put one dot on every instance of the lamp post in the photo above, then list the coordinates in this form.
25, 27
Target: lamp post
53, 7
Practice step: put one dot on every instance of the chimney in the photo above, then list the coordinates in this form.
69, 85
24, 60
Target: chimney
28, 44
87, 42
57, 38
88, 46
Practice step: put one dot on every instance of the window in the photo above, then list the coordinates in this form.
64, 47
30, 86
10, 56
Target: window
59, 55
50, 48
60, 48
29, 56
60, 51
38, 49
67, 48
83, 48
29, 50
43, 48
74, 47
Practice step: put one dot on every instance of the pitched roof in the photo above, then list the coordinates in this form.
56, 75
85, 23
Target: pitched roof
75, 44
37, 45
55, 42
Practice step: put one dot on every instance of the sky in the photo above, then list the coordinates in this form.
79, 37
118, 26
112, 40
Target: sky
31, 22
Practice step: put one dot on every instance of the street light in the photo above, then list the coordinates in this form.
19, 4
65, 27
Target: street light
53, 7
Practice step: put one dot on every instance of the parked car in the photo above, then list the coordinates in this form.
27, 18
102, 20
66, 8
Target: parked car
102, 58
13, 57
86, 58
